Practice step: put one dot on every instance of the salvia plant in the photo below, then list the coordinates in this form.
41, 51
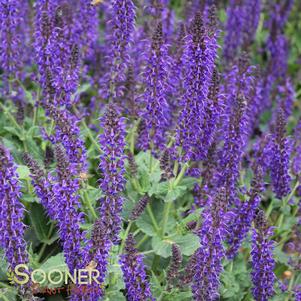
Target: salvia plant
150, 150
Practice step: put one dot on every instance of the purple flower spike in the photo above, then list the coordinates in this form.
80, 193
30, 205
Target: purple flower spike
43, 30
65, 190
122, 27
252, 12
286, 97
234, 30
10, 39
244, 214
42, 185
11, 212
208, 262
112, 161
242, 23
280, 158
263, 277
68, 133
199, 59
134, 275
96, 255
156, 114
174, 265
296, 164
240, 83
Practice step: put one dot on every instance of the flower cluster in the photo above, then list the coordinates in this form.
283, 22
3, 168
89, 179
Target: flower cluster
122, 27
11, 212
10, 39
137, 286
208, 265
68, 133
112, 141
65, 192
156, 114
199, 59
263, 277
244, 215
280, 158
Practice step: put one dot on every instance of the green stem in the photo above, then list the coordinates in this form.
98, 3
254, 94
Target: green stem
40, 255
161, 295
126, 233
133, 136
147, 252
11, 117
181, 175
92, 139
152, 217
4, 285
231, 266
136, 185
290, 286
167, 208
89, 205
136, 232
143, 239
150, 162
285, 202
270, 209
35, 115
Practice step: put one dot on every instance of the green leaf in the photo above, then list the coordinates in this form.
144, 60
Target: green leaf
23, 172
113, 295
159, 189
147, 176
145, 225
33, 149
280, 256
188, 244
56, 262
3, 266
14, 131
29, 198
230, 287
40, 223
175, 193
162, 247
7, 294
29, 97
188, 182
